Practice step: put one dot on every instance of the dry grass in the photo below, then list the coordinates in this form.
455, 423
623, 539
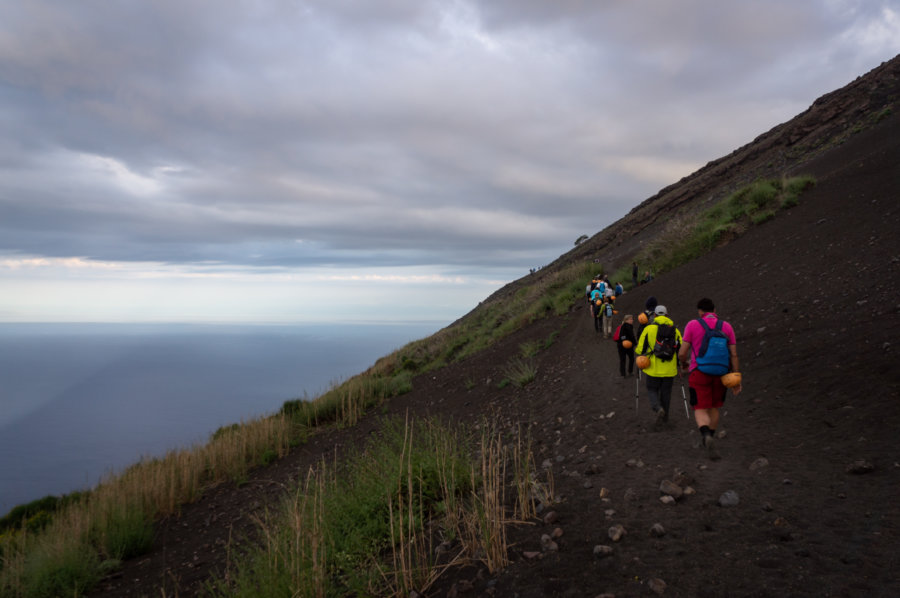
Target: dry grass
114, 520
374, 524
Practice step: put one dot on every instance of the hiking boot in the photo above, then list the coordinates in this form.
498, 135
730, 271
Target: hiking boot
660, 419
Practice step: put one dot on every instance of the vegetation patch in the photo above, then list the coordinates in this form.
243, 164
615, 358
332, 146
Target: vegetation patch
685, 238
421, 498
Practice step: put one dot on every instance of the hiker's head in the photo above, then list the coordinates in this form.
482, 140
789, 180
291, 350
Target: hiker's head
706, 305
661, 310
629, 318
651, 303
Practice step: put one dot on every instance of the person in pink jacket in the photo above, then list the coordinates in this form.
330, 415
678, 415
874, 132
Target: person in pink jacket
707, 390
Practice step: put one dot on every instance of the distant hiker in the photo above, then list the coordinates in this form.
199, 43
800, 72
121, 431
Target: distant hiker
660, 341
610, 292
619, 289
647, 277
625, 332
710, 345
646, 317
634, 274
596, 300
607, 311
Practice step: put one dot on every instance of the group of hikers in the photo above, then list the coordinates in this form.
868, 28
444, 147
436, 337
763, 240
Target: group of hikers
707, 351
602, 296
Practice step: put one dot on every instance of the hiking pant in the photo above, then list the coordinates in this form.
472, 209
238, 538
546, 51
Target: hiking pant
607, 325
659, 391
623, 353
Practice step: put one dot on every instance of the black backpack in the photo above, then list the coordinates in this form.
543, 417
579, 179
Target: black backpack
665, 347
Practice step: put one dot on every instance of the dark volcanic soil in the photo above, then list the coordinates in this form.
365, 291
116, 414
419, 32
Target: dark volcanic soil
813, 296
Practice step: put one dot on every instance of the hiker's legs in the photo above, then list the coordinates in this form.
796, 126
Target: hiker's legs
707, 397
630, 354
653, 385
622, 353
665, 394
708, 418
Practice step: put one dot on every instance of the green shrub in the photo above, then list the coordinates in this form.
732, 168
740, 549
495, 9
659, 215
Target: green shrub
520, 371
127, 533
760, 217
66, 569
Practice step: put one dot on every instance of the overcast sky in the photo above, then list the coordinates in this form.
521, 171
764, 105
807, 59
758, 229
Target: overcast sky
187, 160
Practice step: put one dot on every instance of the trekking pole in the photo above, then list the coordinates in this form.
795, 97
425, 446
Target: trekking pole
683, 396
637, 386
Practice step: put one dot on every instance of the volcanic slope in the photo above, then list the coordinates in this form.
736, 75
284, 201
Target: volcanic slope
809, 447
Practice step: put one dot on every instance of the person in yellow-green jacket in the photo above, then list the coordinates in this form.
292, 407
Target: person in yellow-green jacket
660, 341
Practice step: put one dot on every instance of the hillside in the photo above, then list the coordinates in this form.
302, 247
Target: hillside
813, 295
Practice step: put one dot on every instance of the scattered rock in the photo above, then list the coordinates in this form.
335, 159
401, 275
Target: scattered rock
604, 492
602, 550
557, 533
689, 491
682, 478
548, 544
729, 498
666, 499
657, 585
671, 488
531, 555
547, 464
860, 466
551, 517
617, 532
588, 485
759, 464
609, 513
657, 530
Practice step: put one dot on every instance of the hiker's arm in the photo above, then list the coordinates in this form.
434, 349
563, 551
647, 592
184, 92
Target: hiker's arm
684, 354
735, 365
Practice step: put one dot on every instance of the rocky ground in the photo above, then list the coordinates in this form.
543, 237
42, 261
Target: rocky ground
805, 500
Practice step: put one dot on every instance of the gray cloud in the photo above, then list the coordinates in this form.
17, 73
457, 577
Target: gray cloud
461, 134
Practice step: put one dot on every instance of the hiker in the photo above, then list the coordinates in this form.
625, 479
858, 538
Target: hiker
596, 301
660, 341
619, 289
717, 357
625, 332
646, 317
634, 274
610, 292
647, 277
607, 311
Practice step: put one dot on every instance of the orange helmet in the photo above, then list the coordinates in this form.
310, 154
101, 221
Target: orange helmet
731, 379
642, 318
642, 362
627, 344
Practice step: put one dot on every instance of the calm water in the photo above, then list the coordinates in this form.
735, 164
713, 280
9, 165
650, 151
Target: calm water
80, 400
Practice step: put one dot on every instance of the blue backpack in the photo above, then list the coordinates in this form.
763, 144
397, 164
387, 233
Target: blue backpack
713, 358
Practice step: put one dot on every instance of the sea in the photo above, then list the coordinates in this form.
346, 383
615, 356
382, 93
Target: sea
81, 401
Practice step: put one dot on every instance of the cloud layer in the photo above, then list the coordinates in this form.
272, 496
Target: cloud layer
454, 137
